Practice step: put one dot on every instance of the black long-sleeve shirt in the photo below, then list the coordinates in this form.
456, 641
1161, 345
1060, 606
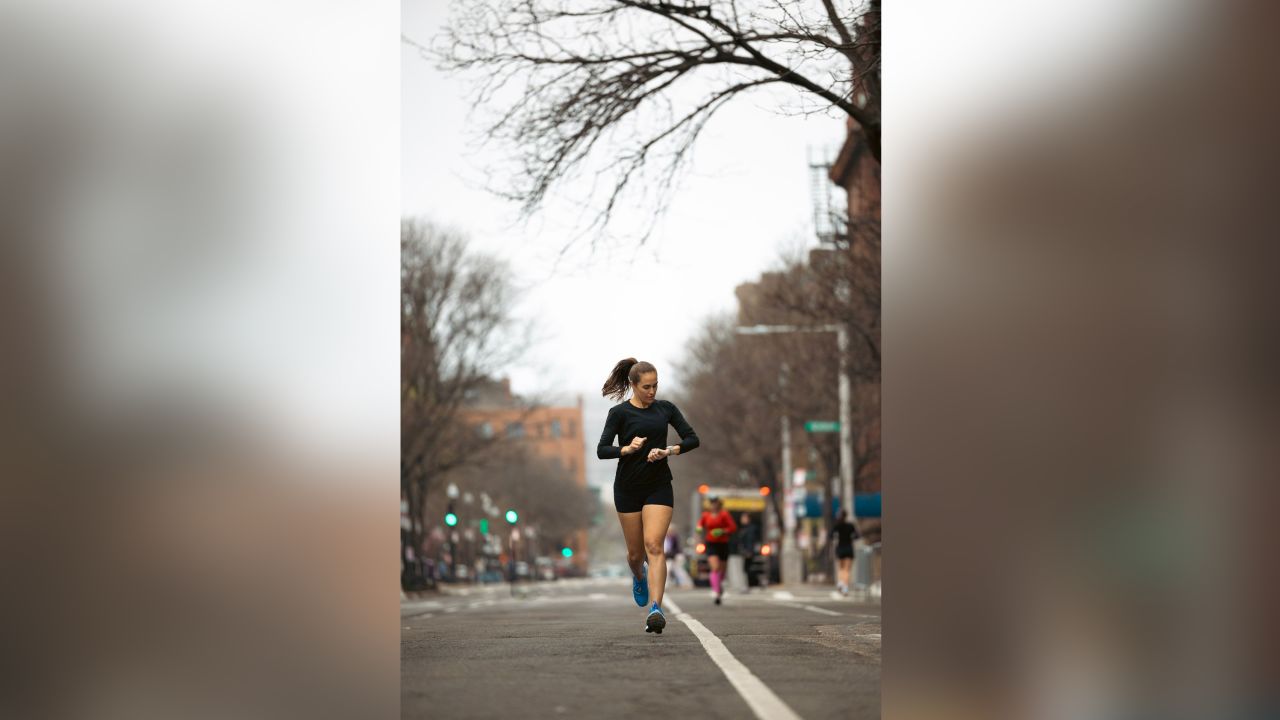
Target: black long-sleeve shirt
627, 422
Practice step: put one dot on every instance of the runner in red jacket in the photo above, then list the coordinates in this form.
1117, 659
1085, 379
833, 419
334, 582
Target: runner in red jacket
716, 526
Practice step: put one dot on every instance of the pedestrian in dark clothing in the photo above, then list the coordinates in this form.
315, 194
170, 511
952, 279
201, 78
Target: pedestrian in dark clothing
844, 533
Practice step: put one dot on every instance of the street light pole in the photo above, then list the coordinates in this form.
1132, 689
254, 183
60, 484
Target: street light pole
846, 415
791, 571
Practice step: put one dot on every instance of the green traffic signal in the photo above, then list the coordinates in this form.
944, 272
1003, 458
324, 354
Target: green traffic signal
567, 552
450, 519
484, 526
512, 517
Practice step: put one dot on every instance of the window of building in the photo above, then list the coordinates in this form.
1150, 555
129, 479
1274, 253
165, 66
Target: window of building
485, 429
515, 430
555, 428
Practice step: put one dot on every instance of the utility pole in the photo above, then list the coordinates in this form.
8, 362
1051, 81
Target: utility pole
791, 570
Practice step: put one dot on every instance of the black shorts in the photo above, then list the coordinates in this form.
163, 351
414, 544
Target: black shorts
720, 550
630, 500
844, 551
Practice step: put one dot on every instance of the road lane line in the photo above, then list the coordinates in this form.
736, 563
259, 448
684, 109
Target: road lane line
813, 608
762, 701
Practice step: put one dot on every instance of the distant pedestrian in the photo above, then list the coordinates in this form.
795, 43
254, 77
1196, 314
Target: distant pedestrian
642, 492
675, 559
844, 533
717, 525
748, 541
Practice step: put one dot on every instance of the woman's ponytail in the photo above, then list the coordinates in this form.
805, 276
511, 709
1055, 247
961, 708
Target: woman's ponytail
616, 386
625, 373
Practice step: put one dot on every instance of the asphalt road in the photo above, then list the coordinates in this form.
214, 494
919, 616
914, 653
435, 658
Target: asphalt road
577, 649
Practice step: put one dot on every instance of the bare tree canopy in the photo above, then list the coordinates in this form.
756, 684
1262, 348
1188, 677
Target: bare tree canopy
456, 330
739, 387
840, 283
636, 81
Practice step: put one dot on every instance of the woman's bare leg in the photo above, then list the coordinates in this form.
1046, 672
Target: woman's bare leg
633, 533
656, 520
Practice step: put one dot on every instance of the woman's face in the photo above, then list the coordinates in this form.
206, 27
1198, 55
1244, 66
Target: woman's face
646, 388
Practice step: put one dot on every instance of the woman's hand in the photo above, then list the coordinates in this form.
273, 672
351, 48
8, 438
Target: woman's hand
635, 445
657, 454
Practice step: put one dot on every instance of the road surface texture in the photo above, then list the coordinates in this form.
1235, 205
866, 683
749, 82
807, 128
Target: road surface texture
578, 649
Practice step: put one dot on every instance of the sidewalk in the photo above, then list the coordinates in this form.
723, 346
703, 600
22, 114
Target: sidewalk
807, 592
811, 591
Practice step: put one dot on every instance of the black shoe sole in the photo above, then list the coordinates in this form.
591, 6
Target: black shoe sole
654, 624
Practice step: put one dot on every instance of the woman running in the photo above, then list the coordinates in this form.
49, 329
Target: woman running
844, 533
716, 525
642, 492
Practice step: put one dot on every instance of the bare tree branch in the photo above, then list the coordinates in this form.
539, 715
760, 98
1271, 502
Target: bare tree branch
627, 85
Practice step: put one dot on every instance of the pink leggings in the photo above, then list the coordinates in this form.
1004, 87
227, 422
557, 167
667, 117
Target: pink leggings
717, 577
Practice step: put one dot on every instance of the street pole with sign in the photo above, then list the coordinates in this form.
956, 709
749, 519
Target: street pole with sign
845, 429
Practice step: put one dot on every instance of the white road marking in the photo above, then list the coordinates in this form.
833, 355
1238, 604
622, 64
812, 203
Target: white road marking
783, 595
813, 608
762, 701
597, 596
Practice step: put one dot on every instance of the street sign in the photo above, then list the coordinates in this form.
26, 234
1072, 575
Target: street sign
822, 426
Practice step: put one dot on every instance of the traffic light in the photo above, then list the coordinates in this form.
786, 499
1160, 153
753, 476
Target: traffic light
484, 526
512, 517
567, 552
450, 518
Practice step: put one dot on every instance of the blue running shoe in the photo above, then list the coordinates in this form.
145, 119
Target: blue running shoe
656, 620
640, 586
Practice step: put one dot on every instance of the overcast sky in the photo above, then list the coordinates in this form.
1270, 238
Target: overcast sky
745, 200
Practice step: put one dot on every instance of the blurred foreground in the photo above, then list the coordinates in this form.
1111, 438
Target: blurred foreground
198, 397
